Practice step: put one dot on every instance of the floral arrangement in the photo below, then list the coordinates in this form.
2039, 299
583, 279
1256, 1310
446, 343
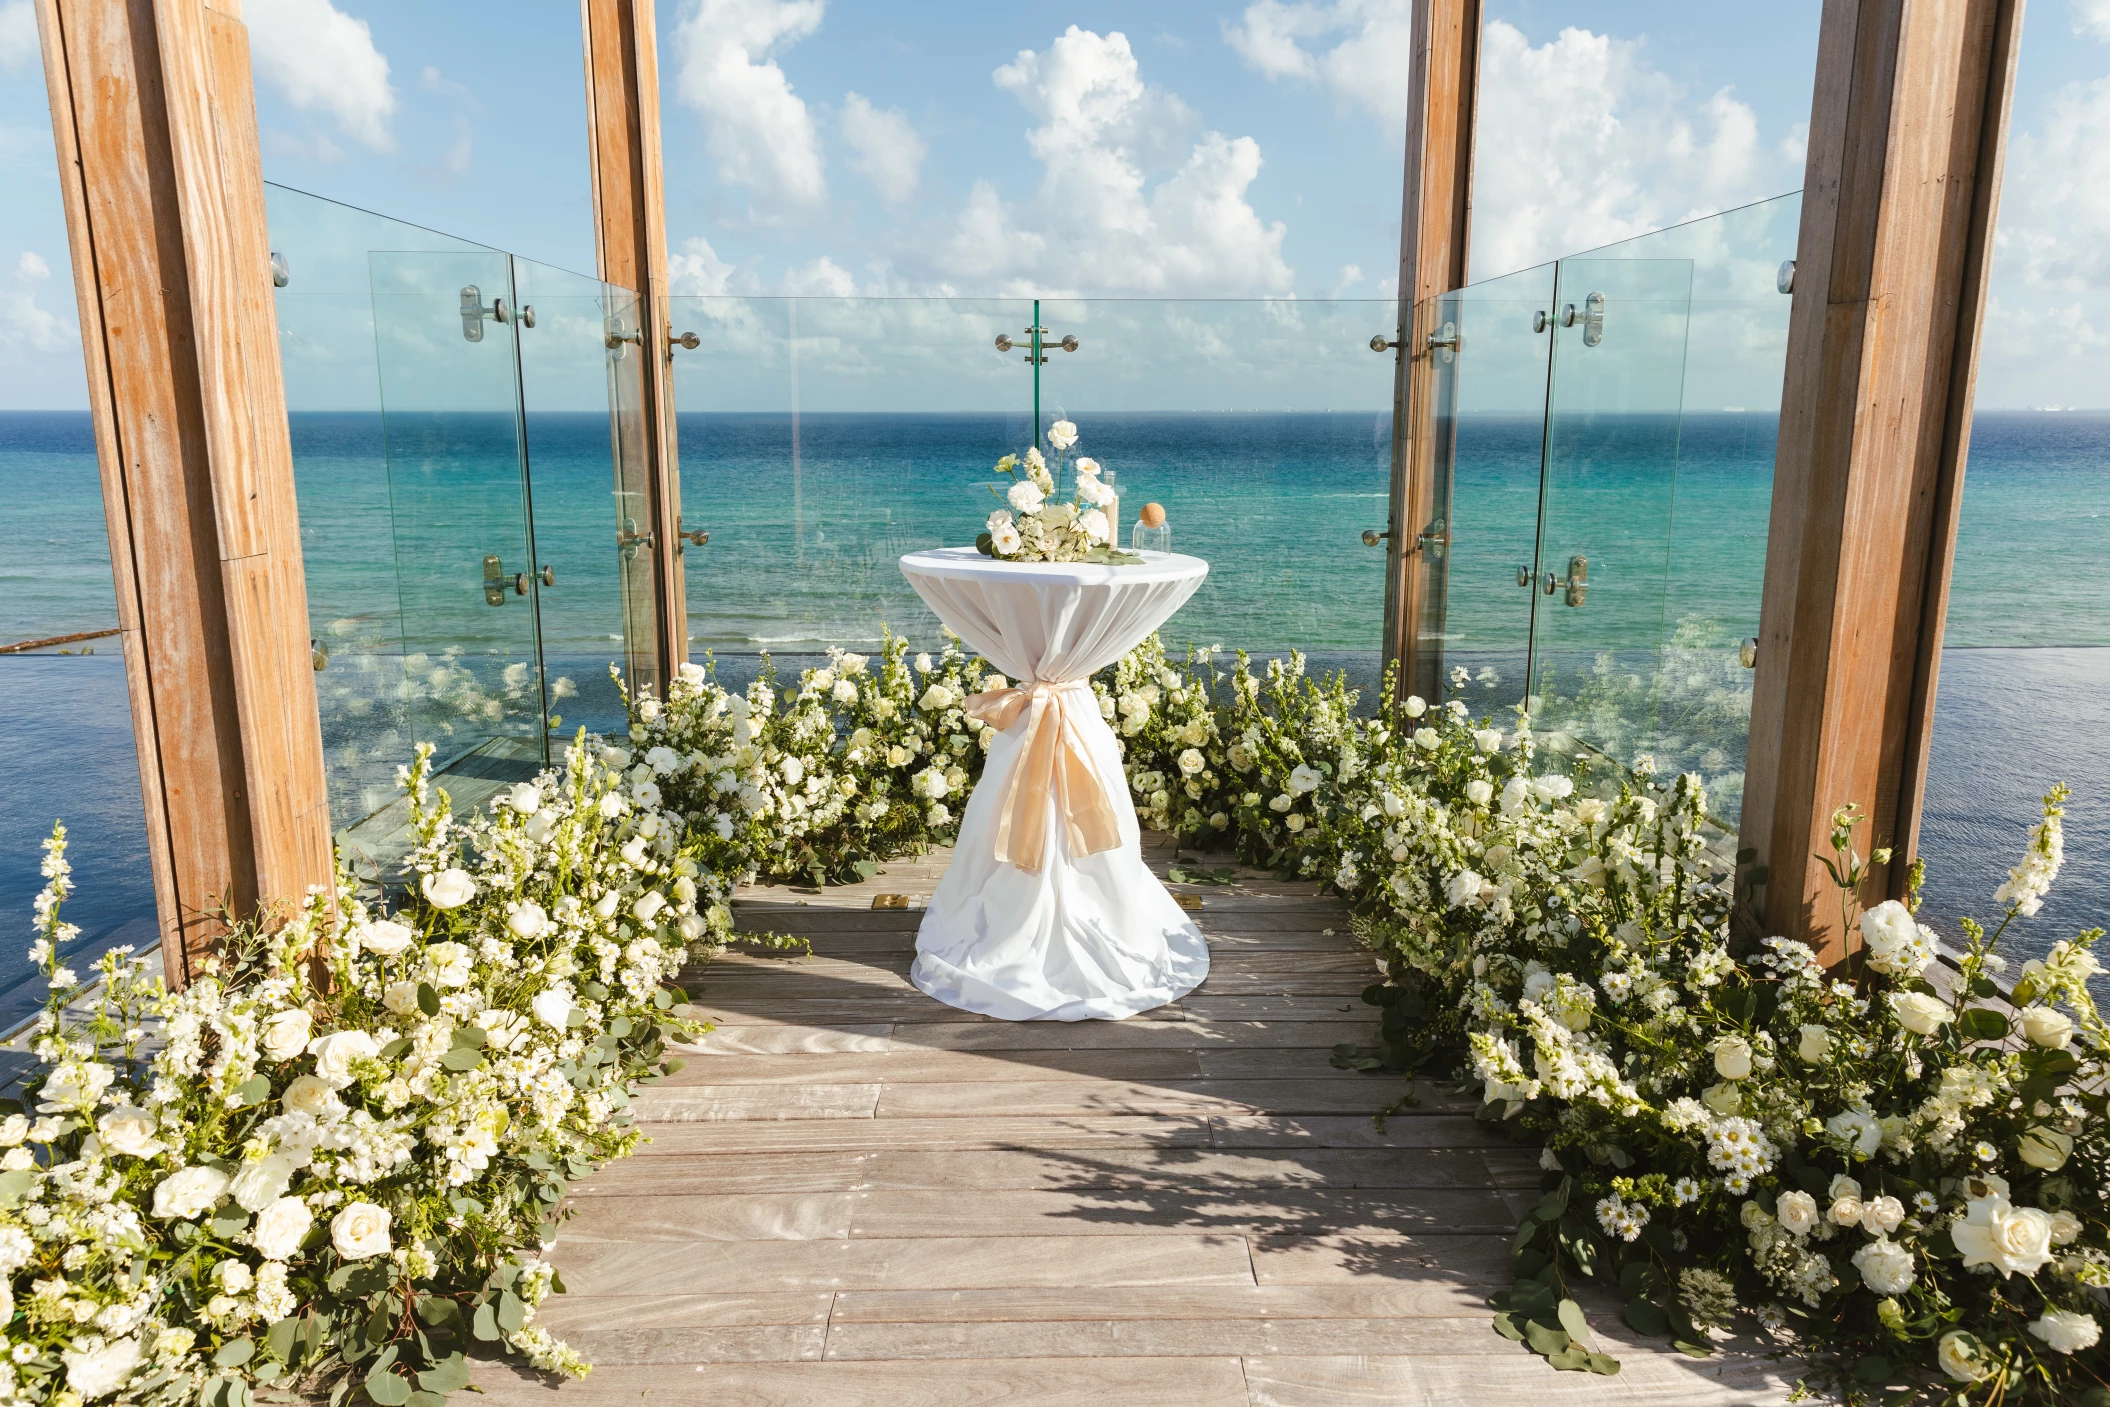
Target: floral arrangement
1037, 528
332, 1162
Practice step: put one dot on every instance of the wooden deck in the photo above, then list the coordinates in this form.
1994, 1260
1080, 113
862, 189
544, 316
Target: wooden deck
856, 1195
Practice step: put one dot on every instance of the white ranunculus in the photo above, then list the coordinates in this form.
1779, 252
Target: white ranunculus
1479, 791
98, 1372
528, 919
281, 1227
1304, 779
284, 1035
189, 1192
1026, 497
2066, 1330
335, 1053
1960, 1356
1732, 1057
449, 889
1916, 1011
1996, 1232
1062, 434
314, 1096
2045, 1148
384, 936
263, 1182
2047, 1026
525, 797
552, 1007
360, 1231
129, 1130
1797, 1211
1815, 1045
1885, 1266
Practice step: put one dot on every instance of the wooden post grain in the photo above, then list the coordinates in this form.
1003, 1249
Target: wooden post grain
1907, 131
1435, 222
630, 235
163, 188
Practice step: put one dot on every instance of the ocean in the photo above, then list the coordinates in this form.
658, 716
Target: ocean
808, 513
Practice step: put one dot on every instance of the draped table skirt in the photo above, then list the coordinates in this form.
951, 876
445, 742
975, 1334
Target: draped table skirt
1025, 925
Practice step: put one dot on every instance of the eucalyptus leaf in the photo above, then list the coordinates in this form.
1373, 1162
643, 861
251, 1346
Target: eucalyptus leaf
1647, 1317
234, 1353
1506, 1326
1544, 1338
1572, 1319
429, 1003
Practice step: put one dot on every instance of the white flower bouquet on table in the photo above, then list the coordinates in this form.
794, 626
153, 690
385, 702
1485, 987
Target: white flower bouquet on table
346, 1187
1035, 527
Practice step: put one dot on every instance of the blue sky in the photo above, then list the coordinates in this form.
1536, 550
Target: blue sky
1179, 149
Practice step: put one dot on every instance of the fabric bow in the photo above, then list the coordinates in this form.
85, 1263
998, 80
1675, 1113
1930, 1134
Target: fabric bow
1052, 761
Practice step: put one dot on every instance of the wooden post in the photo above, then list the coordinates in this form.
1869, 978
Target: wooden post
1435, 220
1907, 132
163, 187
630, 234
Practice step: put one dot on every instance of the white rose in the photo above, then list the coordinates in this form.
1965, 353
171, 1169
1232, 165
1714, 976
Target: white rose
936, 699
128, 1130
1816, 1044
1894, 939
335, 1053
447, 965
384, 936
1026, 497
1096, 528
2066, 1228
1732, 1057
189, 1192
314, 1096
1858, 1128
1192, 762
1724, 1098
1415, 706
263, 1182
281, 1227
2066, 1330
401, 998
648, 905
13, 1129
525, 798
2045, 1148
552, 1007
74, 1085
1885, 1266
1846, 1211
285, 1034
1916, 1011
1062, 434
1843, 1186
1281, 803
449, 889
1552, 788
1958, 1353
527, 919
1882, 1215
1004, 539
1514, 793
1487, 739
1464, 888
1998, 1233
99, 1372
1797, 1211
2047, 1026
1295, 823
360, 1231
1479, 791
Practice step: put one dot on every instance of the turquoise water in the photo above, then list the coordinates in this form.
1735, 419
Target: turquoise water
808, 515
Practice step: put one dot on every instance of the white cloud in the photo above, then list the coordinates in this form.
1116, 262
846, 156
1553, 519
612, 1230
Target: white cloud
1098, 224
1365, 62
2055, 207
697, 271
22, 321
322, 60
1581, 142
820, 279
2092, 17
889, 154
756, 128
18, 36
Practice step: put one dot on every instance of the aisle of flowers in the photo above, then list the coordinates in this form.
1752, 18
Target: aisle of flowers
336, 1162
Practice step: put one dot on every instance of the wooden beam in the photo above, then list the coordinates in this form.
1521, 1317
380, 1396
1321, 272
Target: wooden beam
630, 233
1907, 131
1435, 222
164, 196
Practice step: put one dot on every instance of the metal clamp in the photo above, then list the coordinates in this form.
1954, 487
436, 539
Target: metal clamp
1784, 277
1381, 343
1577, 582
628, 539
494, 581
1590, 315
1372, 537
1524, 577
689, 538
689, 341
474, 312
1069, 343
1445, 342
1437, 535
618, 342
1747, 652
281, 271
1541, 320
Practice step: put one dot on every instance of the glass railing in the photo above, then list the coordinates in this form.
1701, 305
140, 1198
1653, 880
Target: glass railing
1605, 429
822, 438
453, 412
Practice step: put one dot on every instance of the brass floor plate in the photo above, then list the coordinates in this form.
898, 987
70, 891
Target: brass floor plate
890, 901
1189, 902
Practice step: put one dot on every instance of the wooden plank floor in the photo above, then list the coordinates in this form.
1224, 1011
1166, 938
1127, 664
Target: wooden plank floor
856, 1195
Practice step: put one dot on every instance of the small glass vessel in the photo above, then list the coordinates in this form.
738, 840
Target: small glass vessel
1146, 539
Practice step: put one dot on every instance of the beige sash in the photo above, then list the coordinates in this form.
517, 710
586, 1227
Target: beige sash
1051, 760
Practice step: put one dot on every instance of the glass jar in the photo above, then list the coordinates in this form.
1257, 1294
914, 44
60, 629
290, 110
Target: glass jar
1157, 539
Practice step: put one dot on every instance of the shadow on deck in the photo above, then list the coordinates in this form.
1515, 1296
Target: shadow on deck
857, 1195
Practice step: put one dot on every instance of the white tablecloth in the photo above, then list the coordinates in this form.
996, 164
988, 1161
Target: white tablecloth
1082, 936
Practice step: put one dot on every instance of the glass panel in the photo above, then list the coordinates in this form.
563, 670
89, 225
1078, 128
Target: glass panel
1614, 394
821, 439
1264, 428
565, 376
451, 421
1488, 414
